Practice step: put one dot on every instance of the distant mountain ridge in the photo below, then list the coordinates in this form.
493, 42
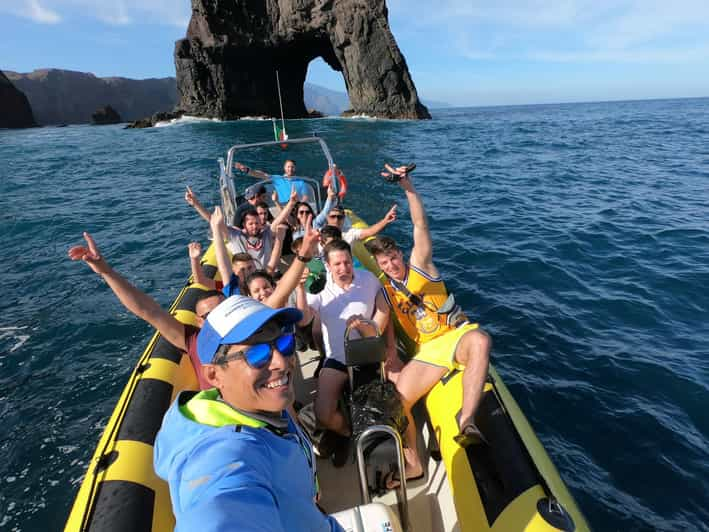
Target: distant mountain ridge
327, 101
331, 102
69, 97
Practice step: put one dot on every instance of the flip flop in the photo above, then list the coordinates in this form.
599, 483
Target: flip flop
393, 477
395, 178
470, 435
410, 168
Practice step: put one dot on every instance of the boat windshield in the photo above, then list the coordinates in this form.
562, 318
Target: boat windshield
311, 155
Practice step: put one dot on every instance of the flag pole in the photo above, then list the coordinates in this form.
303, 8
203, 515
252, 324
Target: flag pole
280, 103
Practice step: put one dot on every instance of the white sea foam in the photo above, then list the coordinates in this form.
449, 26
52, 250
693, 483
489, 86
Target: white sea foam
185, 119
14, 335
361, 116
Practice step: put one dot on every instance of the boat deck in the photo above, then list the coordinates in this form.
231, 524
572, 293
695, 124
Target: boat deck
430, 501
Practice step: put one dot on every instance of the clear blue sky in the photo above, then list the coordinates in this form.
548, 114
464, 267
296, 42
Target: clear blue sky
464, 52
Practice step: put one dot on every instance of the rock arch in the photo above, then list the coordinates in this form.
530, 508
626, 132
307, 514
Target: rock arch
226, 65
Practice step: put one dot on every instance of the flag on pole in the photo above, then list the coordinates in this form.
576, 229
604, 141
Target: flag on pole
279, 133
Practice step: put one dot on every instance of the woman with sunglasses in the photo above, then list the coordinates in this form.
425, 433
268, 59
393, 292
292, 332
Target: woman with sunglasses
300, 214
234, 450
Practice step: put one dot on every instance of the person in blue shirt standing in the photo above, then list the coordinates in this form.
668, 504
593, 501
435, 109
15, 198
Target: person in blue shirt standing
233, 457
283, 184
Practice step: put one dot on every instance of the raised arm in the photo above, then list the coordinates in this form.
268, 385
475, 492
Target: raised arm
422, 252
223, 262
137, 302
321, 218
301, 303
291, 278
285, 211
191, 199
277, 249
198, 276
258, 174
301, 299
374, 229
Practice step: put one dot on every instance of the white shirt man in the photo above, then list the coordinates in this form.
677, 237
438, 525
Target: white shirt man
349, 297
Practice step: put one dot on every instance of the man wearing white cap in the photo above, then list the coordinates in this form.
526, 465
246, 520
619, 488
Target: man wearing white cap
233, 457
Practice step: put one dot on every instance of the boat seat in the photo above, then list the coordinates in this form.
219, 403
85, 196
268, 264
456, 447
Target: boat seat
372, 517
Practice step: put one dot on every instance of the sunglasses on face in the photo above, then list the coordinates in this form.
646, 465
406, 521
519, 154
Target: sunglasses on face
303, 212
259, 355
336, 216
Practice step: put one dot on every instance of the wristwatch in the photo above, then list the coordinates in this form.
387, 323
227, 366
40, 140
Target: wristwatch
303, 258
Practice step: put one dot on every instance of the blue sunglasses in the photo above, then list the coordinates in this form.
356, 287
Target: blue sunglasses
258, 355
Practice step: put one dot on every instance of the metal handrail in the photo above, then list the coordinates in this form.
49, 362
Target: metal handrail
227, 175
403, 502
307, 140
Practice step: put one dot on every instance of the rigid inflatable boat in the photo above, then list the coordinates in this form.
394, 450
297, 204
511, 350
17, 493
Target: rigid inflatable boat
510, 484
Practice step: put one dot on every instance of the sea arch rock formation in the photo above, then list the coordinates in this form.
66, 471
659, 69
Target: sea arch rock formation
226, 64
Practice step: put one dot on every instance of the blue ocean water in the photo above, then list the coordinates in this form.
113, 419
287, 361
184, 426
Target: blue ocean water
577, 234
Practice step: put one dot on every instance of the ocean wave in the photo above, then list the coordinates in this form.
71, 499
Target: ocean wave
185, 119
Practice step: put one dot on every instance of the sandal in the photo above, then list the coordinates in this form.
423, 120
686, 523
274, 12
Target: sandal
391, 480
470, 435
392, 177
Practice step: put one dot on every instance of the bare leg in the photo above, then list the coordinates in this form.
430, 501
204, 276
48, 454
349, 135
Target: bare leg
473, 352
331, 382
415, 380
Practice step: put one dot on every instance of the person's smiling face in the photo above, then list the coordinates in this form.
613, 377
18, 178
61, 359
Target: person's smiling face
392, 264
266, 389
260, 289
289, 168
340, 265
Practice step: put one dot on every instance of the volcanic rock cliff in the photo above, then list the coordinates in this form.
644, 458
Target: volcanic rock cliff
15, 110
226, 66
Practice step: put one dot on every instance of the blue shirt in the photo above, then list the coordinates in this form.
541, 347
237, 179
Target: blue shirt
284, 184
232, 287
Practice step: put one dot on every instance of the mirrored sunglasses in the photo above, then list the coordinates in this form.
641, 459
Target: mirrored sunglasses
258, 355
